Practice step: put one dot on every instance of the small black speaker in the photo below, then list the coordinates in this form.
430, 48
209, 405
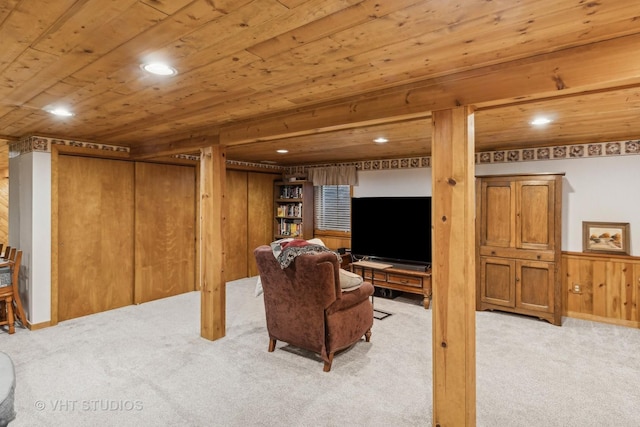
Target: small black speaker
386, 293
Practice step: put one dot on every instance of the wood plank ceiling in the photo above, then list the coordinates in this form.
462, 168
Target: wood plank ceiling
321, 78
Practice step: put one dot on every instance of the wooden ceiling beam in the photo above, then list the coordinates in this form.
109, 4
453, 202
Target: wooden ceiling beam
540, 77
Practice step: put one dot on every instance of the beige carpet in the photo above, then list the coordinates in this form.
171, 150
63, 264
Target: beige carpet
146, 365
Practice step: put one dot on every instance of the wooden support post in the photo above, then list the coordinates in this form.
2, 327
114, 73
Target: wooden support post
454, 346
212, 225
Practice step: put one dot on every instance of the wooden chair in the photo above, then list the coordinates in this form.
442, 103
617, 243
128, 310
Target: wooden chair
7, 252
9, 295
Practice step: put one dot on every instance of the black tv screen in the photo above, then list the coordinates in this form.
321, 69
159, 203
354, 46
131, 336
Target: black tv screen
391, 229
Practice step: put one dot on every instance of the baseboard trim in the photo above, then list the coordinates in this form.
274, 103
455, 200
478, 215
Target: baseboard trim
611, 321
36, 326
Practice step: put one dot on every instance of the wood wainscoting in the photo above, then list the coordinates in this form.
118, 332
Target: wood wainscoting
333, 239
600, 287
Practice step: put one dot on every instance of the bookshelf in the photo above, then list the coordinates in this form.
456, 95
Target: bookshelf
293, 209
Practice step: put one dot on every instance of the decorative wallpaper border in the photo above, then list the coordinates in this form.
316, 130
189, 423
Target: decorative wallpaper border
256, 165
28, 145
44, 144
600, 149
186, 157
405, 163
104, 147
577, 151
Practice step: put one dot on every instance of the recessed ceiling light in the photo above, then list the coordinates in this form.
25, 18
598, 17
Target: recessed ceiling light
540, 121
59, 111
282, 151
159, 69
380, 140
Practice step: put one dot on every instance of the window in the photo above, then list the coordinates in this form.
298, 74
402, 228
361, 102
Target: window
333, 207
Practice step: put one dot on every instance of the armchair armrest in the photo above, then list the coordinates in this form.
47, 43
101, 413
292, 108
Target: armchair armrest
350, 298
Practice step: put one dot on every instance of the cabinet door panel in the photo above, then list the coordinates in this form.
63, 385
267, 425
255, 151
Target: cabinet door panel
496, 224
535, 285
496, 281
533, 221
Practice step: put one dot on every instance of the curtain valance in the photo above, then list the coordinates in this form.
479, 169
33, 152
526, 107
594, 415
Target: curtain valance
333, 175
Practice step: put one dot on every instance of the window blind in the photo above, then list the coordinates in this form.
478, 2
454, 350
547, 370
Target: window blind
333, 207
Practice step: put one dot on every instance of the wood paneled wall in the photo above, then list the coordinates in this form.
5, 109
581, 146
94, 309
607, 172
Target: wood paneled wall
4, 191
603, 288
4, 205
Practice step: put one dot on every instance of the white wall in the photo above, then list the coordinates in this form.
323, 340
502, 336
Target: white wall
394, 182
30, 230
594, 189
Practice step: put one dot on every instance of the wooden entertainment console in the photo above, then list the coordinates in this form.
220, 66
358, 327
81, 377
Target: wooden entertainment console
415, 282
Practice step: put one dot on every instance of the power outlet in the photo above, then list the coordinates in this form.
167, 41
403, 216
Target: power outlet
576, 288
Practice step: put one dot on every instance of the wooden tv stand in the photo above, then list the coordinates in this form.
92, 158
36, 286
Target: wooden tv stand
414, 282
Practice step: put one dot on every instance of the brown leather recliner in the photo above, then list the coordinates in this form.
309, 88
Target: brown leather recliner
306, 307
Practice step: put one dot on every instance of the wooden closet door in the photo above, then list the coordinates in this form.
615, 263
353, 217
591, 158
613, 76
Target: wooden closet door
164, 230
236, 261
249, 197
260, 222
95, 229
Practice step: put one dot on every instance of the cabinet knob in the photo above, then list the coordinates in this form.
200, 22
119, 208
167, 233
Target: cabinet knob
517, 279
493, 252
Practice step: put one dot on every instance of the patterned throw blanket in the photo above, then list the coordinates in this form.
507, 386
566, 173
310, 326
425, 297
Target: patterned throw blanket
286, 250
7, 389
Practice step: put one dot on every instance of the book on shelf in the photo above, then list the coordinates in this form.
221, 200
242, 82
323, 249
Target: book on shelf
291, 192
290, 228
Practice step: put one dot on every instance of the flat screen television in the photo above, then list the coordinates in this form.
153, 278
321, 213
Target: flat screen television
395, 230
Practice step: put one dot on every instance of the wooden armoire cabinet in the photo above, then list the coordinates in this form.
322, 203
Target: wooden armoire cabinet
518, 244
